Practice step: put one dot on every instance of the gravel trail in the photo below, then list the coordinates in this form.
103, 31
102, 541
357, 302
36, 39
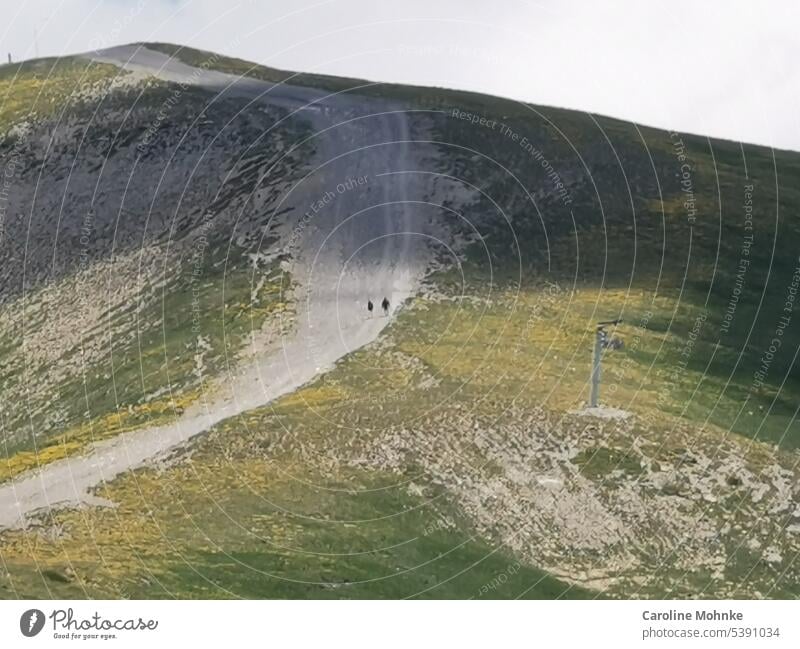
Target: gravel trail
366, 244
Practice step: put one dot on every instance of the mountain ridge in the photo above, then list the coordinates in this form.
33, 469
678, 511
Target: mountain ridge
355, 83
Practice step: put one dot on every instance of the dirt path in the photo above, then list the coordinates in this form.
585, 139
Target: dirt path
368, 243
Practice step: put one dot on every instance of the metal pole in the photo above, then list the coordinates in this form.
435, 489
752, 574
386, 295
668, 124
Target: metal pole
598, 348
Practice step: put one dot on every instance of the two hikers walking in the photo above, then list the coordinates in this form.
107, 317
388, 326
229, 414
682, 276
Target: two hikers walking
384, 306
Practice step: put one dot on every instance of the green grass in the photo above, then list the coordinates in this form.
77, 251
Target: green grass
401, 552
44, 88
599, 462
242, 530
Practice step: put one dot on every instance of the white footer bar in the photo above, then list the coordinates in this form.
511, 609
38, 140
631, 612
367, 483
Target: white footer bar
372, 624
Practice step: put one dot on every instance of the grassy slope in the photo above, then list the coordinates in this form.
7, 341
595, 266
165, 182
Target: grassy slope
150, 374
274, 498
204, 305
521, 339
41, 88
422, 555
225, 532
627, 228
626, 246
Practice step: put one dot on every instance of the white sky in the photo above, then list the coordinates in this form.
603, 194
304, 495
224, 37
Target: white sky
721, 68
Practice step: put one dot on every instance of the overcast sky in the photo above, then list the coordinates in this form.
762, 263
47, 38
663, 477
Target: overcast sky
721, 68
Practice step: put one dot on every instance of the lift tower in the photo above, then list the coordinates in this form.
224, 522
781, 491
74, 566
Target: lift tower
601, 342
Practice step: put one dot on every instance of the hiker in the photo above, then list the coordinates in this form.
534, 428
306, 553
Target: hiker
385, 306
369, 306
